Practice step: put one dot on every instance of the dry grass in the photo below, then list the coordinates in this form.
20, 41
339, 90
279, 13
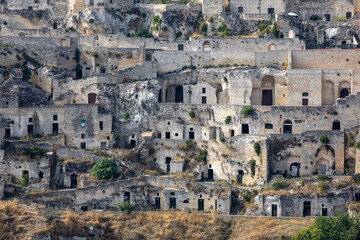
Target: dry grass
268, 228
21, 223
17, 222
141, 226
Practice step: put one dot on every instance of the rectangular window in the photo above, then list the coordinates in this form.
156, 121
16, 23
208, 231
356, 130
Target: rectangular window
240, 9
271, 10
36, 1
268, 126
203, 100
305, 94
55, 118
103, 145
305, 102
83, 145
180, 47
91, 3
167, 135
83, 136
82, 123
30, 120
101, 125
203, 90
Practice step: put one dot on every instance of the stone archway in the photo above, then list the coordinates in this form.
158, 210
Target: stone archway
325, 159
206, 46
267, 90
344, 89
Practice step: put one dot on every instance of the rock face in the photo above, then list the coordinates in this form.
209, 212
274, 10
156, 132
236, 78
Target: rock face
28, 94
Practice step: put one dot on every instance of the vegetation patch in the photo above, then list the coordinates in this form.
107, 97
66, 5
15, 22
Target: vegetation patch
105, 169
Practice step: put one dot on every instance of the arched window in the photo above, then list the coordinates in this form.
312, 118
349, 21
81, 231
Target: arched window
206, 46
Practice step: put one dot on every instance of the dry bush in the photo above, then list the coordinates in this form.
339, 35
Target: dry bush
17, 222
268, 228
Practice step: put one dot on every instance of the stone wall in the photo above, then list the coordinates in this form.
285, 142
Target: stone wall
142, 193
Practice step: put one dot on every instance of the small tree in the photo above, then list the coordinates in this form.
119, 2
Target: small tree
222, 139
324, 139
279, 184
191, 114
105, 169
126, 116
257, 148
247, 110
126, 206
252, 164
227, 119
35, 151
225, 79
24, 181
203, 27
203, 155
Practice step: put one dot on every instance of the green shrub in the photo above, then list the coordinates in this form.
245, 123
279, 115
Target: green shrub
252, 164
91, 20
71, 29
279, 184
178, 34
222, 139
191, 114
24, 181
257, 148
247, 110
202, 156
324, 139
126, 116
164, 28
126, 206
357, 145
315, 18
227, 119
225, 79
105, 169
322, 185
143, 32
203, 27
39, 14
339, 228
325, 178
189, 143
35, 151
273, 30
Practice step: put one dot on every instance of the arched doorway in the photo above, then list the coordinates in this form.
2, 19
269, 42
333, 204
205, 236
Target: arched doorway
350, 166
206, 46
344, 93
267, 90
91, 98
328, 93
294, 169
344, 89
325, 159
287, 127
